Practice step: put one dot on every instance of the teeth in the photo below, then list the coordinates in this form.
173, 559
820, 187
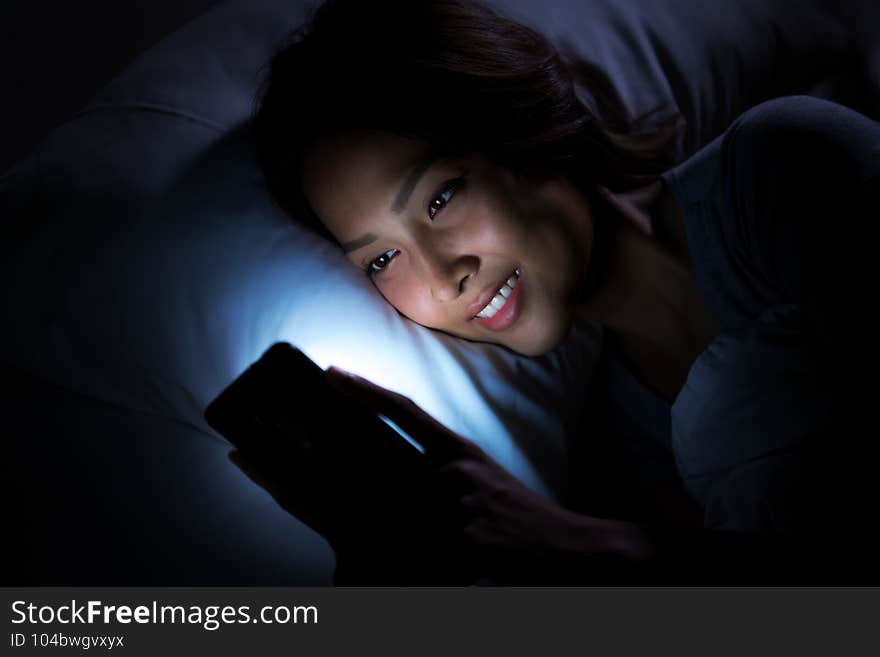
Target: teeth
500, 298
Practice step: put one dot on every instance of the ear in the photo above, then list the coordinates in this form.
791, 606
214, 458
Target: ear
633, 205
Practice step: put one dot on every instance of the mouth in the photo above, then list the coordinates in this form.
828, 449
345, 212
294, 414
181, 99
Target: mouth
499, 303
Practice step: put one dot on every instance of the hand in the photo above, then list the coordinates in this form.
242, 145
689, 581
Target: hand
517, 535
375, 542
383, 521
476, 520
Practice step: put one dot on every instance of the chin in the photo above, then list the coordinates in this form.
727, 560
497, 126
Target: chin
539, 343
535, 349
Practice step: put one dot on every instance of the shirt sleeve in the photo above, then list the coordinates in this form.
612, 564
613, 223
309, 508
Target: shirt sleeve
772, 209
775, 204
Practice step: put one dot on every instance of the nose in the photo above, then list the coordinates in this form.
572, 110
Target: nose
448, 276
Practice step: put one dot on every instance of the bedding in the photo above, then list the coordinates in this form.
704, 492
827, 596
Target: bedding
96, 494
146, 266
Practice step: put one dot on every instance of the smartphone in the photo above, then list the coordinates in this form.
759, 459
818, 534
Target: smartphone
351, 471
283, 413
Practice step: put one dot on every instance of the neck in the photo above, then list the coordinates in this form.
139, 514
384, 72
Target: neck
645, 296
639, 284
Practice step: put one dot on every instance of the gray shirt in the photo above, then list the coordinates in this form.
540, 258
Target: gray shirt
746, 431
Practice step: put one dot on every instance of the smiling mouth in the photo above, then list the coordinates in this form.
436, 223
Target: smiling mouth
497, 302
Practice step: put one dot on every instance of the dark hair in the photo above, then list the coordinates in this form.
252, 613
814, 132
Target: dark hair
455, 75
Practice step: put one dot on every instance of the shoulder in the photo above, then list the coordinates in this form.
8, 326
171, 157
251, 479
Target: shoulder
801, 139
802, 113
796, 155
791, 139
766, 204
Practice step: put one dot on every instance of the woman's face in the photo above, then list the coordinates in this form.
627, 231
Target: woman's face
457, 245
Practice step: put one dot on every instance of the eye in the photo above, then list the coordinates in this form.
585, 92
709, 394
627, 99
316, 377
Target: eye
444, 196
378, 264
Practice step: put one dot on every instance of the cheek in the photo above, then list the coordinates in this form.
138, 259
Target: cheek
408, 295
495, 222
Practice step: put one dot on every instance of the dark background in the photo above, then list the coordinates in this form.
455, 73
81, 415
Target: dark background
55, 55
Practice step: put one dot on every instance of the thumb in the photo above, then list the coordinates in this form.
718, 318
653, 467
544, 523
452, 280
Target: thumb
441, 444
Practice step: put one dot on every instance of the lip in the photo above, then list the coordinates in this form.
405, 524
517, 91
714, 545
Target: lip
485, 297
504, 317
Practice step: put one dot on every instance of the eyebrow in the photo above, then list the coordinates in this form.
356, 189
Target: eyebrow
409, 184
354, 245
400, 201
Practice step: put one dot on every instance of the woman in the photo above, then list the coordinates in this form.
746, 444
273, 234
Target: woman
445, 150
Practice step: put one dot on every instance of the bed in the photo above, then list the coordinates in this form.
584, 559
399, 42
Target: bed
145, 267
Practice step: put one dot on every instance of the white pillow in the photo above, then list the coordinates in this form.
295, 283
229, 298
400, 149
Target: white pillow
159, 307
145, 265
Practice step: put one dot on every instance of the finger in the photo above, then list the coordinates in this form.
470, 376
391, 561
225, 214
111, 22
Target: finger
439, 442
375, 396
456, 478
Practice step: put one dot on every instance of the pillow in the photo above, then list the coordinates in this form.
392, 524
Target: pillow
156, 301
687, 57
663, 56
147, 267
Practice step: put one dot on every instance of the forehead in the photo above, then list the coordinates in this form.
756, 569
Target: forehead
356, 174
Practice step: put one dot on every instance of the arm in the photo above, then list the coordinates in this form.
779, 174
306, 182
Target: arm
513, 536
519, 537
638, 554
526, 540
784, 199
